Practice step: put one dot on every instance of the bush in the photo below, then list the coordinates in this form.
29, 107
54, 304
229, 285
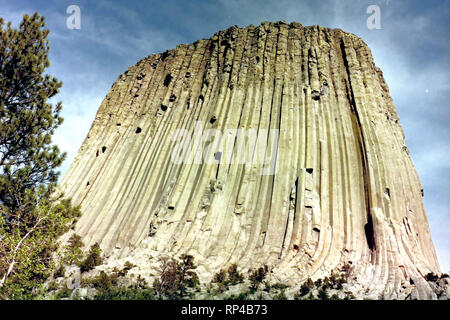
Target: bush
27, 261
60, 272
176, 277
306, 287
64, 292
224, 279
93, 258
234, 277
431, 277
257, 276
108, 289
323, 295
72, 253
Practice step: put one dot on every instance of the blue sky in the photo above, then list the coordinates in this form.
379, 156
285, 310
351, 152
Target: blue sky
412, 49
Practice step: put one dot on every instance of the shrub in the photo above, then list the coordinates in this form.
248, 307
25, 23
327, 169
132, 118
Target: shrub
306, 287
323, 295
176, 277
64, 292
60, 272
93, 258
335, 297
280, 296
318, 283
73, 251
224, 279
219, 277
234, 277
257, 276
431, 277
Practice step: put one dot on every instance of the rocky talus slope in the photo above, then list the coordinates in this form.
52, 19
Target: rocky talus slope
340, 191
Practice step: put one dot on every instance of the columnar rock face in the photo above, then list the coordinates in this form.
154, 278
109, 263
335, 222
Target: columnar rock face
339, 193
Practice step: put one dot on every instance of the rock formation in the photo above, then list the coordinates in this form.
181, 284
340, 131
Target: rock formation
339, 193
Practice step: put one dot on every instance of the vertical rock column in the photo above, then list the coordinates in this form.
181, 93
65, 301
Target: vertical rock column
345, 193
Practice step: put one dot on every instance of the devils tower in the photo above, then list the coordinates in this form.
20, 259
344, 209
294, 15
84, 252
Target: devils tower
339, 190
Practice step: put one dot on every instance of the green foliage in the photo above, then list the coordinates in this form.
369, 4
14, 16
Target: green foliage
93, 259
31, 216
227, 278
256, 277
318, 283
234, 276
127, 267
323, 295
108, 288
73, 252
306, 287
176, 277
220, 277
26, 257
27, 158
60, 271
336, 281
280, 296
321, 287
335, 297
349, 296
241, 296
130, 293
431, 277
63, 293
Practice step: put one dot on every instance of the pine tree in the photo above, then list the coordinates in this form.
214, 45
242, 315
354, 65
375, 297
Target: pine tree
27, 158
31, 217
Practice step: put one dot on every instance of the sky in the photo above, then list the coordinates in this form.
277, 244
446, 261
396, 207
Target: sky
411, 47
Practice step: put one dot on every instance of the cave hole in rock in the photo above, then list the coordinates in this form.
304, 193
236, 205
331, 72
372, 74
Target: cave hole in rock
103, 149
201, 98
118, 124
315, 229
87, 184
295, 247
163, 107
171, 207
370, 234
213, 119
315, 95
187, 75
167, 80
309, 170
97, 153
138, 130
172, 98
258, 59
388, 192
